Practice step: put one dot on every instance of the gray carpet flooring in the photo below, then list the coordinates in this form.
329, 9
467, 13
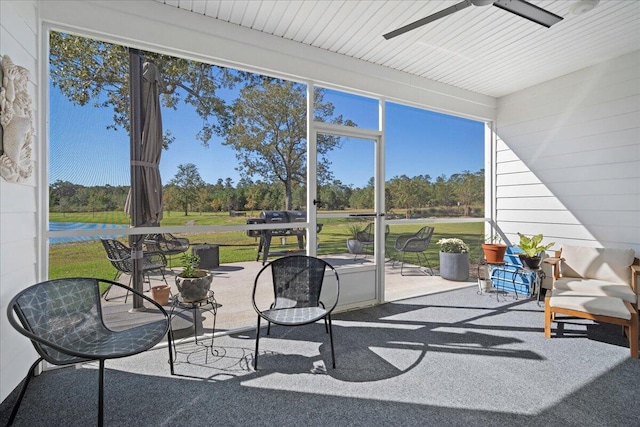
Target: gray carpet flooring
449, 359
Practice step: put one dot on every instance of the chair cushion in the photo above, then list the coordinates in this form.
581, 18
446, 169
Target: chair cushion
596, 287
596, 305
607, 264
296, 316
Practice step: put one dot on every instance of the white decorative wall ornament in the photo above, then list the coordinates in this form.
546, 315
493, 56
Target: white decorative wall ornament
17, 123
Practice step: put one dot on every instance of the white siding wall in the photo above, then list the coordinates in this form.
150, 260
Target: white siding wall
18, 202
568, 157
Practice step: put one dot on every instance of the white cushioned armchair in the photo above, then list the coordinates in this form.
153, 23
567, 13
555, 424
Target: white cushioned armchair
600, 284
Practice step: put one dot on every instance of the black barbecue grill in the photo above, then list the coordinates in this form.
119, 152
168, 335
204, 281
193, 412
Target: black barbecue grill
278, 217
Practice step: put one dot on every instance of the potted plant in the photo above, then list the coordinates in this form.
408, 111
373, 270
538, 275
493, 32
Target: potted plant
193, 283
494, 250
354, 246
454, 259
532, 249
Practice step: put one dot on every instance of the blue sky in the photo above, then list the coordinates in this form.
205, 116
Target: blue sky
83, 151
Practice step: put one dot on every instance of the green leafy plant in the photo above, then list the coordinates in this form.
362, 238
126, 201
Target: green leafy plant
532, 246
190, 262
354, 229
453, 246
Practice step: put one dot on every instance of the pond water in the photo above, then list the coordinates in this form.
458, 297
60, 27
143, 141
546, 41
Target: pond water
58, 226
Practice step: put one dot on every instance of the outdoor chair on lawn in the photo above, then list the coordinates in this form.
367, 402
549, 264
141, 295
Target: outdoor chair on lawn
167, 244
296, 285
120, 257
413, 243
367, 235
63, 319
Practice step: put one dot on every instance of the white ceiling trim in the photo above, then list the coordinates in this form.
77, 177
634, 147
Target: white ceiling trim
481, 49
144, 24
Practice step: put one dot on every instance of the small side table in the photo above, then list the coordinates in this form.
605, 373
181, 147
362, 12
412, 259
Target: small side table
491, 265
537, 276
207, 304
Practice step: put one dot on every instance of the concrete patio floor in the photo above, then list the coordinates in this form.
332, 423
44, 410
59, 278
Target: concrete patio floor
233, 283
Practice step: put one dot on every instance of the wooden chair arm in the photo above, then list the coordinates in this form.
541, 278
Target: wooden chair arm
635, 272
555, 266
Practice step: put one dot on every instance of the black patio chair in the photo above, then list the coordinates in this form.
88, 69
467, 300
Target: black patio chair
296, 282
63, 319
367, 235
413, 243
167, 244
120, 257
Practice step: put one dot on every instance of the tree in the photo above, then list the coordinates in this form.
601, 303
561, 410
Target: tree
170, 198
442, 192
202, 200
92, 71
335, 195
468, 188
269, 133
267, 127
188, 181
406, 194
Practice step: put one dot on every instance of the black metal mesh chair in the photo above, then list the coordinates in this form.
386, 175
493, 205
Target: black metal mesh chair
167, 244
367, 235
120, 257
296, 283
413, 243
63, 320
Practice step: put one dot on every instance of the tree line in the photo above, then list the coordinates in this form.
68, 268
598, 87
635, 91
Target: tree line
187, 193
265, 124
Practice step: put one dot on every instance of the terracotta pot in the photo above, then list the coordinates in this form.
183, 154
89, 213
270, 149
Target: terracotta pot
160, 294
494, 252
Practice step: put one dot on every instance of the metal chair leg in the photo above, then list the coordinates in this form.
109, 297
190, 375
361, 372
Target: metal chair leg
101, 394
115, 278
170, 347
426, 261
255, 356
333, 357
23, 390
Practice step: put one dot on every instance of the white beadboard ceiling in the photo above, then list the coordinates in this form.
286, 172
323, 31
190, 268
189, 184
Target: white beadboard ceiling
483, 49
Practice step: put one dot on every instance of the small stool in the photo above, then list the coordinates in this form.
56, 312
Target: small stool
599, 308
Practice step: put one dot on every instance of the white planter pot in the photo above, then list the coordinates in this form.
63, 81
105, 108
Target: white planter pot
354, 246
454, 266
484, 285
194, 288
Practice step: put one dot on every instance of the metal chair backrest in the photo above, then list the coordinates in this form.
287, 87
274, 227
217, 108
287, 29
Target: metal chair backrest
60, 312
425, 233
367, 235
419, 241
297, 279
118, 254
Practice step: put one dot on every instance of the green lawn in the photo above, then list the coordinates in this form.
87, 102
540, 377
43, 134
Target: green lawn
89, 259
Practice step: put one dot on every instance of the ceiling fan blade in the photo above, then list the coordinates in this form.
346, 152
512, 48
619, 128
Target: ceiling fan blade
430, 18
529, 11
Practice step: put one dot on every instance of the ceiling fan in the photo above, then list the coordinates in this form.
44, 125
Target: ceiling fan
518, 7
